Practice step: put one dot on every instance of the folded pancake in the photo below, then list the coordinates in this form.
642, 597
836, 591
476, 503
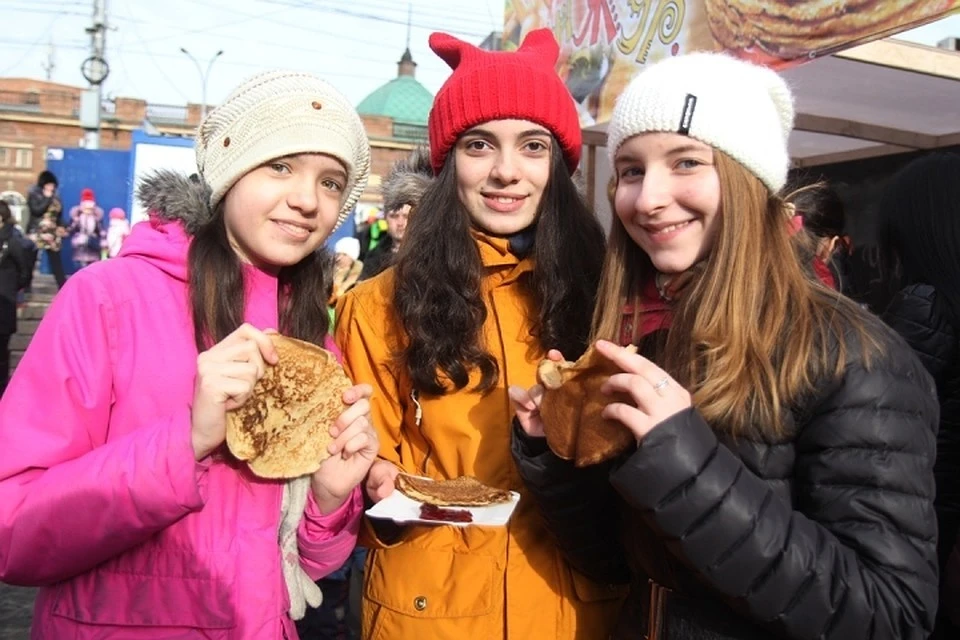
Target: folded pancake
465, 491
572, 405
283, 430
791, 29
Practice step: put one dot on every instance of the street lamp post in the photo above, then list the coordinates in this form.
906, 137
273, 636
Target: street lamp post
203, 78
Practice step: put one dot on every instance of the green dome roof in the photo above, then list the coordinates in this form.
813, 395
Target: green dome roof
403, 99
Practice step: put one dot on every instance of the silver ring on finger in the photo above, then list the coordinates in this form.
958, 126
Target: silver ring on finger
662, 383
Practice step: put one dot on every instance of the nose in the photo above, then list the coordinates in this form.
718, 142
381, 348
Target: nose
505, 168
654, 193
303, 197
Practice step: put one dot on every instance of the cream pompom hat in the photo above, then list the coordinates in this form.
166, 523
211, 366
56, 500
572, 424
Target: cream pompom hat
281, 113
740, 108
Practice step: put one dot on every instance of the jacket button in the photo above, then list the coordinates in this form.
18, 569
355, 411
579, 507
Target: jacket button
419, 603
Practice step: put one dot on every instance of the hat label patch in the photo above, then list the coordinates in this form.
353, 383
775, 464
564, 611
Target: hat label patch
689, 106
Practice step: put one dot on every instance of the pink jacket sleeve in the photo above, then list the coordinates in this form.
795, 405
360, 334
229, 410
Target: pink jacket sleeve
72, 496
326, 541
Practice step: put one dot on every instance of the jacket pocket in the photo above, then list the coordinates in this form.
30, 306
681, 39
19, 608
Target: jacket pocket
202, 600
422, 583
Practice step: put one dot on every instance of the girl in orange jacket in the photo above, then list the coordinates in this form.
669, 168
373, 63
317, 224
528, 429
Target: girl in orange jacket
500, 263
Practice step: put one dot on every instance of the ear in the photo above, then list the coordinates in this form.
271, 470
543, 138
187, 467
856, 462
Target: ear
449, 49
826, 247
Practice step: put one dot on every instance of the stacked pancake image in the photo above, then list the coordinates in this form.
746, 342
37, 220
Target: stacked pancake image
789, 29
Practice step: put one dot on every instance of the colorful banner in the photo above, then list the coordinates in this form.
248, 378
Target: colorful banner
604, 43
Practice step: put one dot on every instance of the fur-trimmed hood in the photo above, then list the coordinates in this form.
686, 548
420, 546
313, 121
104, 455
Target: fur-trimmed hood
408, 180
172, 196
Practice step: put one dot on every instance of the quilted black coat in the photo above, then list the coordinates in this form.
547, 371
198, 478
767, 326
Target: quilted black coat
829, 532
922, 319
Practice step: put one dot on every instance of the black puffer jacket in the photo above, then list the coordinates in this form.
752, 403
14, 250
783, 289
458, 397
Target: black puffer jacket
922, 319
830, 533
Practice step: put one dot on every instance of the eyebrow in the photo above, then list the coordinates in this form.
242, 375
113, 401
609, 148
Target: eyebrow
628, 158
687, 148
486, 133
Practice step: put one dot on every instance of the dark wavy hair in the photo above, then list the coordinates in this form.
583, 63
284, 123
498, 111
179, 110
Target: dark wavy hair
217, 294
919, 221
438, 274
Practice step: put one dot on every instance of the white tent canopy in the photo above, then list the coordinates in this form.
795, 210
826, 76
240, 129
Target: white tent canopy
880, 98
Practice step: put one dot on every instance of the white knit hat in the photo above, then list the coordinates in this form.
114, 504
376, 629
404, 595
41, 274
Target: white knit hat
349, 246
743, 109
276, 114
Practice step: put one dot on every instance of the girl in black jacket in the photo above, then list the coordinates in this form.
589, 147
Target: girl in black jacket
779, 479
920, 241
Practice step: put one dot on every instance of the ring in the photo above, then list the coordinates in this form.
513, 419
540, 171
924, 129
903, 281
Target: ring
661, 383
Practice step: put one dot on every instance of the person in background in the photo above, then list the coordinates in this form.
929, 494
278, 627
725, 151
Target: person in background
117, 231
45, 228
347, 266
777, 476
14, 276
822, 213
919, 221
500, 260
87, 231
402, 190
118, 496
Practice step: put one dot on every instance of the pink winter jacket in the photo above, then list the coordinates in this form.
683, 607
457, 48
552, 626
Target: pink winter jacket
101, 501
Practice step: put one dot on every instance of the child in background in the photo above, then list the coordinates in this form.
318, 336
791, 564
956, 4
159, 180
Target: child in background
118, 229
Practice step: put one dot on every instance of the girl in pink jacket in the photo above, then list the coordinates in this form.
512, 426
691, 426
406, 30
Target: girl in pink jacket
116, 496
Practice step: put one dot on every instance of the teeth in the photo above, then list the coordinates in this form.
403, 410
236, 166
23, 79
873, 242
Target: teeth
672, 227
506, 200
294, 228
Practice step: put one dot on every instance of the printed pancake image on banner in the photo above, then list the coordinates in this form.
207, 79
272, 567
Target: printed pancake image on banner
780, 31
604, 43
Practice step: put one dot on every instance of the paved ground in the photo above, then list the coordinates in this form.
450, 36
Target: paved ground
16, 610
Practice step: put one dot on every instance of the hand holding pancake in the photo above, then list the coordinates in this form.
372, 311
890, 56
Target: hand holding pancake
381, 481
526, 403
353, 450
226, 376
654, 395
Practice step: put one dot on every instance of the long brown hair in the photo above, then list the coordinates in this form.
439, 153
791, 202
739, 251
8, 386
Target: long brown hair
753, 332
217, 293
438, 294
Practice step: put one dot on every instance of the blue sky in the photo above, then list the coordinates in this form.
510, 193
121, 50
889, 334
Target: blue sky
352, 43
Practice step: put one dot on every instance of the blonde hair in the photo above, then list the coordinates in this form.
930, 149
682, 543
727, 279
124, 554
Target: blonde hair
751, 334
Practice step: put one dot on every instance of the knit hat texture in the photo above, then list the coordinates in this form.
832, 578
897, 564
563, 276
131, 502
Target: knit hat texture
498, 85
740, 108
348, 245
277, 114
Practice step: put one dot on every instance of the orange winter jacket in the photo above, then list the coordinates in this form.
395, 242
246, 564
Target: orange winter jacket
488, 583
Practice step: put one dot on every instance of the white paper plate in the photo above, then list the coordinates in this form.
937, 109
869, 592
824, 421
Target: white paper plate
401, 509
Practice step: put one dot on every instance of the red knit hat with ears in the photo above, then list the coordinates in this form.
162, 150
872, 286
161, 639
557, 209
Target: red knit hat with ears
499, 85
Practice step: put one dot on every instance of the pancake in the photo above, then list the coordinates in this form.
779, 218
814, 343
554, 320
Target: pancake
465, 491
572, 405
282, 431
791, 29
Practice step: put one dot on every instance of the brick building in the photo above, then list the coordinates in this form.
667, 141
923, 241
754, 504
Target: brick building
36, 115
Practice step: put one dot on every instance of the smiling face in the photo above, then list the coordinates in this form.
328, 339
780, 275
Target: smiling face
668, 198
280, 212
503, 167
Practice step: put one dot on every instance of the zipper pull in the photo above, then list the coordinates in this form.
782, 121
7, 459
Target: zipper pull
418, 414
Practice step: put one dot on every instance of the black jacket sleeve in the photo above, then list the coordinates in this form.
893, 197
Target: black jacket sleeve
855, 555
919, 318
18, 254
579, 508
37, 203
